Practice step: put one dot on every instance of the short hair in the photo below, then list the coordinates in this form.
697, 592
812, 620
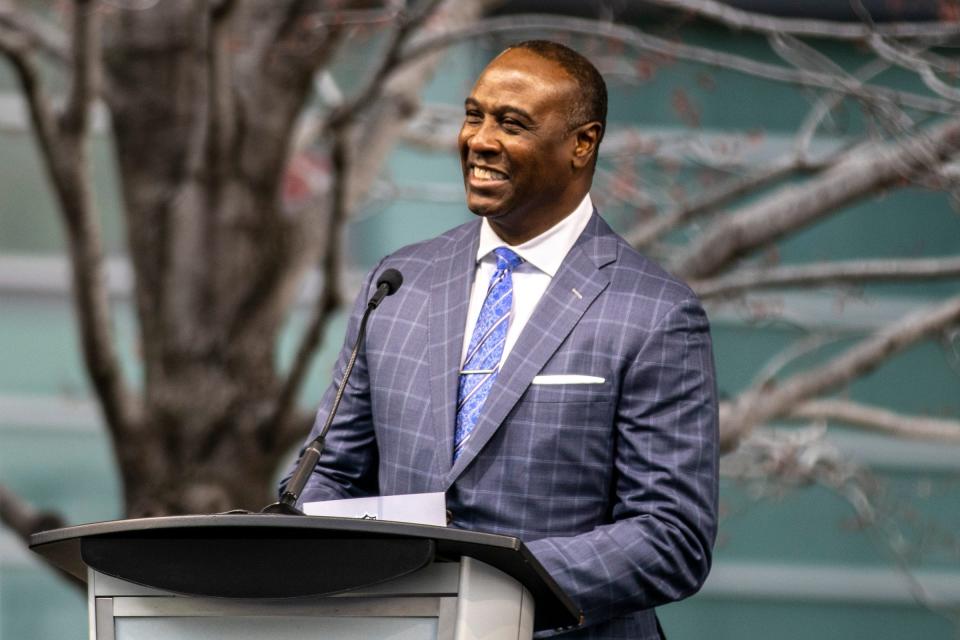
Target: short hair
591, 102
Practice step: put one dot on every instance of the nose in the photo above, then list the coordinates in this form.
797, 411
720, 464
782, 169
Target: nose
483, 140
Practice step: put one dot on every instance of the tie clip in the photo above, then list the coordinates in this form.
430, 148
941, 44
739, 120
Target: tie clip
468, 372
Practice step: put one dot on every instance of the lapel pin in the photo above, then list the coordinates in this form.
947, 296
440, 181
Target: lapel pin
577, 293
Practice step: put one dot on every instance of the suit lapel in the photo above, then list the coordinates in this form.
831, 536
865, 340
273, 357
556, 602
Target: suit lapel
573, 289
449, 300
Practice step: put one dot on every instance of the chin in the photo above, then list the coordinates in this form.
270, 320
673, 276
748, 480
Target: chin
485, 209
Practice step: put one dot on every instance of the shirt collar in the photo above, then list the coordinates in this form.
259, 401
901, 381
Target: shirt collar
546, 251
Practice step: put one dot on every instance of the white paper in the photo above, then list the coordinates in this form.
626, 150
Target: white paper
414, 508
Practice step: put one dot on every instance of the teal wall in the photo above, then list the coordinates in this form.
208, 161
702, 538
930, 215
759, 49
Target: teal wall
791, 562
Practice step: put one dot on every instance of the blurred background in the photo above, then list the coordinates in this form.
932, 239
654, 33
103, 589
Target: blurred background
189, 191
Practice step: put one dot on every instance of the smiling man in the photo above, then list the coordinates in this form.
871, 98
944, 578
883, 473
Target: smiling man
529, 138
554, 383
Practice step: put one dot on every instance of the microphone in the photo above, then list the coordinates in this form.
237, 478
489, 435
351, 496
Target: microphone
387, 284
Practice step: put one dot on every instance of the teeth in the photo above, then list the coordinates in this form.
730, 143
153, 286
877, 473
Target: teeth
488, 174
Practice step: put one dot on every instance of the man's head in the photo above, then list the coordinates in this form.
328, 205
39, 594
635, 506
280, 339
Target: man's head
529, 140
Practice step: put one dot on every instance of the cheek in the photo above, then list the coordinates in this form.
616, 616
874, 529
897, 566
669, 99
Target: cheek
462, 138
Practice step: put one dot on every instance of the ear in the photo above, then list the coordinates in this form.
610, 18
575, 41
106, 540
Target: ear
586, 137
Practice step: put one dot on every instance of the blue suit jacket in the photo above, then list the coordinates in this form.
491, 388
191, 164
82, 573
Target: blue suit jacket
613, 486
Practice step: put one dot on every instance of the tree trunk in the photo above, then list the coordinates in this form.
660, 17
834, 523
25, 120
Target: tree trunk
202, 139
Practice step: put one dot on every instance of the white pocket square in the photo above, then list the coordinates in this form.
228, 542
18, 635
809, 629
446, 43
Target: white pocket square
565, 378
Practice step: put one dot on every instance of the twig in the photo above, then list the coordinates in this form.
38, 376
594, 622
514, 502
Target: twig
778, 363
906, 59
828, 103
840, 272
880, 420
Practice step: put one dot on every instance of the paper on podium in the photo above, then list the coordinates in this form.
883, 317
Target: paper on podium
413, 508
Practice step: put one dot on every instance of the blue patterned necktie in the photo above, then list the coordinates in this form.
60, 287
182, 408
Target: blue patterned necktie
482, 363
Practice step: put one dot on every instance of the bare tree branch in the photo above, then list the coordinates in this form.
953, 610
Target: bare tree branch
213, 143
758, 405
37, 34
71, 174
788, 457
434, 127
85, 81
376, 126
63, 146
24, 520
747, 20
809, 344
221, 110
671, 49
772, 460
367, 124
803, 56
338, 125
879, 420
841, 272
391, 60
326, 304
862, 172
231, 250
650, 231
17, 50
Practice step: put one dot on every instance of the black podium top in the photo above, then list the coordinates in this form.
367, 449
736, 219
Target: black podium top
275, 556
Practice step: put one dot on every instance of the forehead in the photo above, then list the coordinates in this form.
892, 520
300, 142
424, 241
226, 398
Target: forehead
521, 76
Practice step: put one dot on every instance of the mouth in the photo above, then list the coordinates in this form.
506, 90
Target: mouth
481, 175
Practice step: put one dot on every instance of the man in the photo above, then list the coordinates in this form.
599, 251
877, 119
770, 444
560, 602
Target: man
554, 383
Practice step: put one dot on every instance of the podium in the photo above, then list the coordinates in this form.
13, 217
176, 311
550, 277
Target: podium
245, 576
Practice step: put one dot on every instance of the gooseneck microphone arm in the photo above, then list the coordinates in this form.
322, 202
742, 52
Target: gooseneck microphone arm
388, 283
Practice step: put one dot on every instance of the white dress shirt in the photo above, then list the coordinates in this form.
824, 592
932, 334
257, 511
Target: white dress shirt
541, 259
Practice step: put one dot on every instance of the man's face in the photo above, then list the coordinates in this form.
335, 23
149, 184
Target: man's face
515, 148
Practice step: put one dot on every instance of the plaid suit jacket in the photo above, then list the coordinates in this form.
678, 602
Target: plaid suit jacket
613, 486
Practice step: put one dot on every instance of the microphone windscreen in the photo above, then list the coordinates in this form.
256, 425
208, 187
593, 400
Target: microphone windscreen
392, 278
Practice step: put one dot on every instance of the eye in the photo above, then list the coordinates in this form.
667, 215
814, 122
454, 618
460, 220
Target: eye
512, 126
473, 117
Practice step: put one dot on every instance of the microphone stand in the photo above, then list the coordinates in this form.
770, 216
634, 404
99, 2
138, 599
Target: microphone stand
387, 285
